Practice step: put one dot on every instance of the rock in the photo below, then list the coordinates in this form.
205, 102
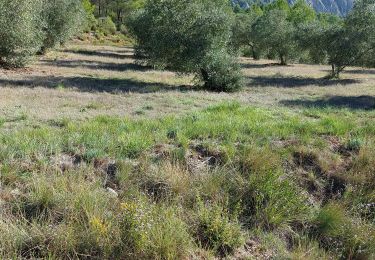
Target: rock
15, 193
66, 162
112, 192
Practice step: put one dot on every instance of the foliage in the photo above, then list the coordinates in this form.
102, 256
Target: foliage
281, 5
301, 13
117, 10
188, 37
258, 193
63, 18
360, 25
217, 230
107, 26
275, 33
242, 31
272, 30
90, 21
20, 32
343, 43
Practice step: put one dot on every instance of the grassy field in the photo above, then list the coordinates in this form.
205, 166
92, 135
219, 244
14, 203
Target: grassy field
105, 159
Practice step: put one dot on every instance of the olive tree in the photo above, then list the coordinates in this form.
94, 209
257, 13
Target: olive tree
242, 30
319, 37
301, 13
354, 42
62, 19
276, 34
344, 42
20, 32
189, 36
360, 26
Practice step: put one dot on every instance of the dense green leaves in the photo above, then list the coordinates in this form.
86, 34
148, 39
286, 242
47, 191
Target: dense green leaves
189, 37
20, 32
297, 32
62, 19
27, 27
274, 32
343, 42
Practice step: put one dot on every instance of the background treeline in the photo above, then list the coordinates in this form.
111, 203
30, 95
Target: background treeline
205, 37
298, 33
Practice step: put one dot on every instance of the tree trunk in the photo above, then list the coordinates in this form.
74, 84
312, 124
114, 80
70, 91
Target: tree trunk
333, 71
205, 78
254, 53
336, 70
100, 9
282, 59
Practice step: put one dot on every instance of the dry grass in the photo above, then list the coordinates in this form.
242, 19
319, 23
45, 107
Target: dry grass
83, 81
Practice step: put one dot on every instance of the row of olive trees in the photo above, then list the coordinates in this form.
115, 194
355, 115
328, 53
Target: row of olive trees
28, 27
202, 37
289, 32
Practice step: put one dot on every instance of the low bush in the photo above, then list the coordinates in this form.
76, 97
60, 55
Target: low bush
188, 37
217, 229
107, 26
273, 201
349, 237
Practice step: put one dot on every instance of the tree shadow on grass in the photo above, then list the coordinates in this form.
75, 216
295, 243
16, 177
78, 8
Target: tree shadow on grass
292, 82
87, 84
96, 65
106, 54
357, 71
261, 66
351, 102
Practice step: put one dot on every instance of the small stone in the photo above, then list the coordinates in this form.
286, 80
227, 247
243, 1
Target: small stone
15, 192
112, 192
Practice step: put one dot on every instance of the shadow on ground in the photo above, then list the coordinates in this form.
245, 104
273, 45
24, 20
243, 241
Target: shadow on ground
352, 102
125, 54
261, 66
292, 82
87, 84
356, 71
96, 65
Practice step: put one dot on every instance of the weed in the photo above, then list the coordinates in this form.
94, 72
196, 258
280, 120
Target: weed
218, 230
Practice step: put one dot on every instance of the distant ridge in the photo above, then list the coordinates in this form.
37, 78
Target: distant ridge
338, 7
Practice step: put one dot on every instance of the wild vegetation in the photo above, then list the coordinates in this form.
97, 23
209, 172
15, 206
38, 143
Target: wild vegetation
199, 185
113, 152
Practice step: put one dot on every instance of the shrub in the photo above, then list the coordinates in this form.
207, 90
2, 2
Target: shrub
90, 22
220, 72
107, 26
188, 37
169, 237
349, 237
272, 201
217, 229
63, 18
151, 231
20, 32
